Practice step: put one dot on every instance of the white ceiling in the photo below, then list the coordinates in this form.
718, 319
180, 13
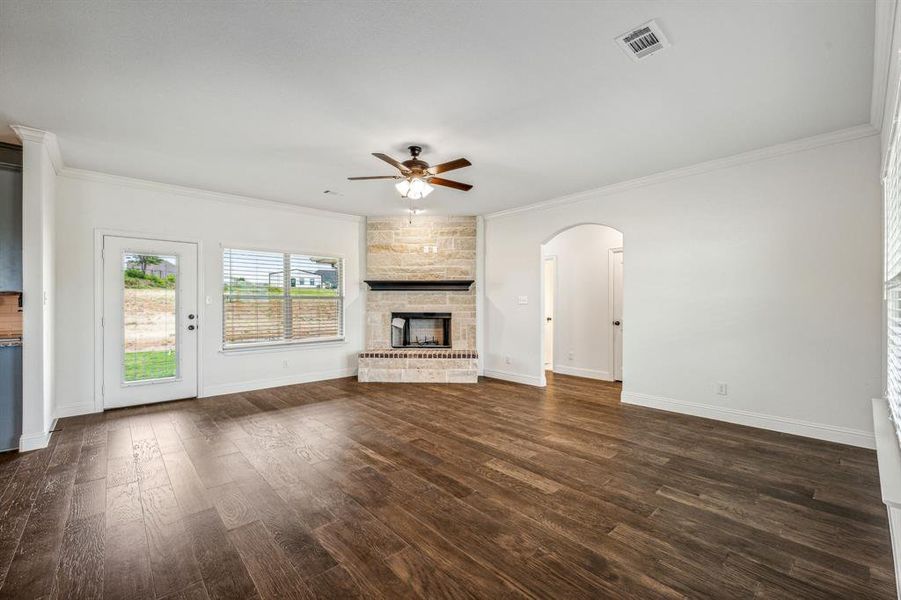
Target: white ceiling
284, 100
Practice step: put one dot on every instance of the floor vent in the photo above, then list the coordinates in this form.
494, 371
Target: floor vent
643, 41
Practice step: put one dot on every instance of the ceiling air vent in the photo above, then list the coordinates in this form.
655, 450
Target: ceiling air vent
643, 41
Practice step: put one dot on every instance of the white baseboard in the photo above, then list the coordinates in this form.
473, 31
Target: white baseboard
73, 410
516, 378
261, 384
580, 372
36, 441
820, 431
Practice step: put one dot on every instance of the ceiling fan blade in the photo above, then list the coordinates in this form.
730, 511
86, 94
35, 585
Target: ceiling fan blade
375, 177
394, 163
450, 183
449, 166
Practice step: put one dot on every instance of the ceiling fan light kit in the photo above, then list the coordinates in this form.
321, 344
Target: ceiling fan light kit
417, 179
413, 188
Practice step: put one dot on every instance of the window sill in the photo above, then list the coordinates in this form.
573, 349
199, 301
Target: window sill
282, 346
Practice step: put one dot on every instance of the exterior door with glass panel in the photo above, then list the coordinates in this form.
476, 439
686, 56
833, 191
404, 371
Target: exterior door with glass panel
150, 323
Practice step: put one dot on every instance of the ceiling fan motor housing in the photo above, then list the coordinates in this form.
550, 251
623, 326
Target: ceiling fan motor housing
416, 166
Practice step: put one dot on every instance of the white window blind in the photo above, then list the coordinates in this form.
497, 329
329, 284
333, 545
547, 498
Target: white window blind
277, 298
892, 191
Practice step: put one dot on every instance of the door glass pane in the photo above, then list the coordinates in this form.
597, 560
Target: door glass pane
149, 316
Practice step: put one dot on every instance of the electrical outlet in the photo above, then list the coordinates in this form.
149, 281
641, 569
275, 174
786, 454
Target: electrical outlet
722, 389
284, 364
508, 360
571, 355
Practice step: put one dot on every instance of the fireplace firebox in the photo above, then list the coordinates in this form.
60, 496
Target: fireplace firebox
420, 330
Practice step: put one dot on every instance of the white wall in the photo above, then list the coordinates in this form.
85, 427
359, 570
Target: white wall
582, 326
90, 202
38, 239
763, 272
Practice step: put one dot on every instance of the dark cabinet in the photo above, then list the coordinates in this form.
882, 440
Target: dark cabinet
10, 397
10, 218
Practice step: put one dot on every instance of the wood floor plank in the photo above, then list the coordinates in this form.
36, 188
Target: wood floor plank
363, 562
338, 489
123, 505
533, 479
188, 488
166, 437
223, 572
336, 583
88, 499
92, 462
233, 506
126, 562
118, 442
172, 559
39, 547
15, 508
289, 532
272, 572
121, 470
421, 574
80, 570
196, 591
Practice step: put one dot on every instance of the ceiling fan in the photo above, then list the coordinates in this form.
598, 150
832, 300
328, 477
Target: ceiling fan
417, 177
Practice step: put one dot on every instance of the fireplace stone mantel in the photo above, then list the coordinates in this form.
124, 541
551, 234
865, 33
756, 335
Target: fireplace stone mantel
420, 285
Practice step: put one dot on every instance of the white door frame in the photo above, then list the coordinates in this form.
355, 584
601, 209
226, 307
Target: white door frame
611, 257
554, 292
99, 234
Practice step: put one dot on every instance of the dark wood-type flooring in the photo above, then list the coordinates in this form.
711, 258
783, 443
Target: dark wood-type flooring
344, 490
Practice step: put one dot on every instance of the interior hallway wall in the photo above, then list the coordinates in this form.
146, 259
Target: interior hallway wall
582, 327
762, 272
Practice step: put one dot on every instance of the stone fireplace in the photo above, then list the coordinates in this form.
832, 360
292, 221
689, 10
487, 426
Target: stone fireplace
420, 308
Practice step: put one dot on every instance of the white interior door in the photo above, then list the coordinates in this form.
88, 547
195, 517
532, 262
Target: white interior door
618, 315
149, 321
550, 287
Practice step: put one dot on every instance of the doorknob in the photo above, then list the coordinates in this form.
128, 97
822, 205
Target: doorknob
549, 319
617, 323
191, 317
191, 328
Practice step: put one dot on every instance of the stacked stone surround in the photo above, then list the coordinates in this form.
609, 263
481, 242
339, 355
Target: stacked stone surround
429, 248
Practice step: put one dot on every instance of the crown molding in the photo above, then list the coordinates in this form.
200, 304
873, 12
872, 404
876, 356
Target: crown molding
44, 138
882, 57
802, 145
50, 142
201, 194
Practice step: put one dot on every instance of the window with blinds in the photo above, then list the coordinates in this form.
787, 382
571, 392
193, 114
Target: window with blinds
892, 191
272, 298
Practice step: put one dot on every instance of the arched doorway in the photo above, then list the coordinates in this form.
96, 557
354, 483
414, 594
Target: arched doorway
582, 302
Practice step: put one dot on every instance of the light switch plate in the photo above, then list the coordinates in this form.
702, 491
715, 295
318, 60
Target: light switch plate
523, 300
